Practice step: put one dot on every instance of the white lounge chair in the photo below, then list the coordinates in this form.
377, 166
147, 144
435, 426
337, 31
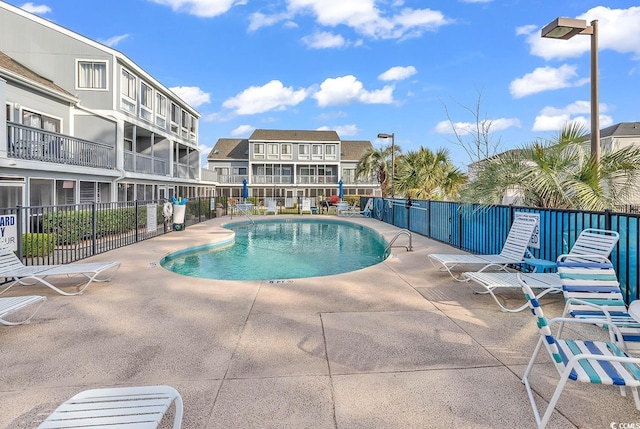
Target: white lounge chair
342, 208
271, 207
12, 267
306, 206
590, 246
513, 251
17, 304
120, 407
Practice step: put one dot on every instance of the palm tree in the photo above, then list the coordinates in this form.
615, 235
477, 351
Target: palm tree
424, 174
560, 173
375, 163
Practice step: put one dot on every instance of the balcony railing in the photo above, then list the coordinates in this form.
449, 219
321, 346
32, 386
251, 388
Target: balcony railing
140, 163
36, 144
317, 180
271, 180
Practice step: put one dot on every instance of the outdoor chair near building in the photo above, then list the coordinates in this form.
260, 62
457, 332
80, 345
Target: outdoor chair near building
306, 206
342, 208
118, 407
11, 267
513, 251
271, 206
591, 245
18, 304
586, 361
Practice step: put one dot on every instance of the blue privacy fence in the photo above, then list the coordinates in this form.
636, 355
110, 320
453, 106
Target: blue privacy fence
479, 229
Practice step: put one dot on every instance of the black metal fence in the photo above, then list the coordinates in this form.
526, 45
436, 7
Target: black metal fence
67, 233
480, 229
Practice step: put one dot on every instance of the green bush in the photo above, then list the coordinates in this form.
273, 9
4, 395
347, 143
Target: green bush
71, 226
37, 244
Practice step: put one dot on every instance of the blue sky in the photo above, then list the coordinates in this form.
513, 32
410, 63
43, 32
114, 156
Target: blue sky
363, 67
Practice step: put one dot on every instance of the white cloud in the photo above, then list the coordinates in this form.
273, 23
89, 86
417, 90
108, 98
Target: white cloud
618, 30
398, 73
202, 8
545, 79
243, 130
366, 18
192, 95
347, 89
554, 118
258, 20
465, 128
342, 130
38, 9
260, 99
477, 1
113, 41
323, 40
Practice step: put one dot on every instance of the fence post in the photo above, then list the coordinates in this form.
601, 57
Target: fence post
607, 219
460, 234
94, 227
429, 218
19, 231
135, 212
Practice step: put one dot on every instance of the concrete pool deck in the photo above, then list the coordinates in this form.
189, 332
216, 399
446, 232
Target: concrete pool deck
396, 345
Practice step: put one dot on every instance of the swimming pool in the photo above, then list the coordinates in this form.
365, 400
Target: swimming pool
282, 249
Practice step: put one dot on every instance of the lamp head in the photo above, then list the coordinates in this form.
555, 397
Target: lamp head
564, 28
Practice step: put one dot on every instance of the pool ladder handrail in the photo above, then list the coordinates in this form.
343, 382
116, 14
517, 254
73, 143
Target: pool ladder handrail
393, 240
244, 212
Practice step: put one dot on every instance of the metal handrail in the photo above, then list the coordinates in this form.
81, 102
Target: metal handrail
393, 240
244, 211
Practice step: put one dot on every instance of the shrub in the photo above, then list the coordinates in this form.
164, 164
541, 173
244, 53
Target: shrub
37, 244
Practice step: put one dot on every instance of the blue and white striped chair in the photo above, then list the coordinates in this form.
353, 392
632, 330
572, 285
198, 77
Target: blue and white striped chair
594, 362
592, 291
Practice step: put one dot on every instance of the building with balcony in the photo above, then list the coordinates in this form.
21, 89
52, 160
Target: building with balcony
289, 164
85, 123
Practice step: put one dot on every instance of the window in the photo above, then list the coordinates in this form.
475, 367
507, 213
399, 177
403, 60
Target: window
161, 110
258, 150
185, 124
303, 151
285, 151
317, 151
128, 91
175, 118
146, 101
330, 151
272, 151
92, 74
128, 84
193, 128
37, 120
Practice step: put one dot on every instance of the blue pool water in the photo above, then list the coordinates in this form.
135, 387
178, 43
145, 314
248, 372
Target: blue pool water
282, 249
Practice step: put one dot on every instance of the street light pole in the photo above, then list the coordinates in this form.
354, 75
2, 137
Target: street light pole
566, 28
392, 136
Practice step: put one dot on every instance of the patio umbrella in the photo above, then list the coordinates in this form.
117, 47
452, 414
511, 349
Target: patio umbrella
245, 191
340, 192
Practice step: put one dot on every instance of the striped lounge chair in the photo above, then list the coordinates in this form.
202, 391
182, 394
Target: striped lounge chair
594, 362
591, 291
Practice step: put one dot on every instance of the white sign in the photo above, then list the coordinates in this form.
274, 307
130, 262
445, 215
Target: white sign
535, 237
8, 232
152, 217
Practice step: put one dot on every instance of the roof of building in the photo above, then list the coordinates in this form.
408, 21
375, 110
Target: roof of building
352, 150
15, 68
295, 136
621, 129
238, 149
230, 149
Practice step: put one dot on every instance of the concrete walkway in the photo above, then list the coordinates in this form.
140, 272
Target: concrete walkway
397, 345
